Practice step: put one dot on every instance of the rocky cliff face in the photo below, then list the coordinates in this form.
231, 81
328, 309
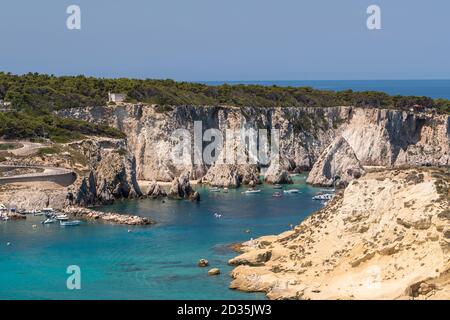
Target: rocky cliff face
112, 173
385, 237
375, 136
337, 165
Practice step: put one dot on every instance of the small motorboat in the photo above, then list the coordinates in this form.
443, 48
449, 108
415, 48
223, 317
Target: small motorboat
225, 190
217, 215
252, 191
277, 186
70, 223
215, 189
49, 221
277, 195
328, 190
326, 196
62, 217
37, 213
291, 191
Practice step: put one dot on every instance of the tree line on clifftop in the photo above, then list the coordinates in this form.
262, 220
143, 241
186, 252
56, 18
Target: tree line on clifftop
34, 97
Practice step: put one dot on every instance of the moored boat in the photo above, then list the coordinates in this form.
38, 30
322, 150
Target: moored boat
70, 223
277, 195
62, 217
277, 186
290, 191
326, 196
49, 221
252, 191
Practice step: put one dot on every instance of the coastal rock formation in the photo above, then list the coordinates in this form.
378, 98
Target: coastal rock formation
339, 162
112, 173
116, 218
181, 189
275, 174
155, 191
378, 137
231, 176
384, 237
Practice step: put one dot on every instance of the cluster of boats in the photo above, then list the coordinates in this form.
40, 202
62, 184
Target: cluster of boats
50, 214
3, 213
52, 217
276, 194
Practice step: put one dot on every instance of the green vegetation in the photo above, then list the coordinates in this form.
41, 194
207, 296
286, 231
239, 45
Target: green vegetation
49, 150
31, 124
41, 93
9, 146
35, 97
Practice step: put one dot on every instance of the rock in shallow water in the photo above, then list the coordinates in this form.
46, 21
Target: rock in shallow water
214, 272
203, 263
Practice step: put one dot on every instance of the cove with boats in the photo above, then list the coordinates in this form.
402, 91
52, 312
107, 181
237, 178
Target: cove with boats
149, 262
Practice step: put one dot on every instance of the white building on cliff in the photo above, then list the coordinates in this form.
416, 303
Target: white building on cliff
116, 97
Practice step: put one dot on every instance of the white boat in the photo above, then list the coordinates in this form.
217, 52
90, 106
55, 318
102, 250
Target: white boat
291, 191
215, 189
49, 220
62, 217
252, 191
225, 190
38, 213
70, 223
326, 196
328, 190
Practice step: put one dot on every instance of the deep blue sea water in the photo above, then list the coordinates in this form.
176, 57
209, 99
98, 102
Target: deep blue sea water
157, 262
429, 88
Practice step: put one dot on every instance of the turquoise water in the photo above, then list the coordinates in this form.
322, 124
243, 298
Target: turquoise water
157, 262
428, 88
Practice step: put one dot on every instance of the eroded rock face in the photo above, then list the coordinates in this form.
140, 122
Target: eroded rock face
376, 136
181, 189
384, 237
112, 173
275, 174
232, 176
155, 191
338, 160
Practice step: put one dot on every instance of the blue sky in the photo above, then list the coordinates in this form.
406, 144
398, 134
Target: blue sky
228, 40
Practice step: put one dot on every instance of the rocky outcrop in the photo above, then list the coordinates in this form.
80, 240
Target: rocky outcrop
110, 217
275, 174
232, 176
181, 189
112, 173
337, 163
155, 190
383, 237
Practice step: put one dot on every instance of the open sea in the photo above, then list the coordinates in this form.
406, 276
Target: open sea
428, 88
160, 261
